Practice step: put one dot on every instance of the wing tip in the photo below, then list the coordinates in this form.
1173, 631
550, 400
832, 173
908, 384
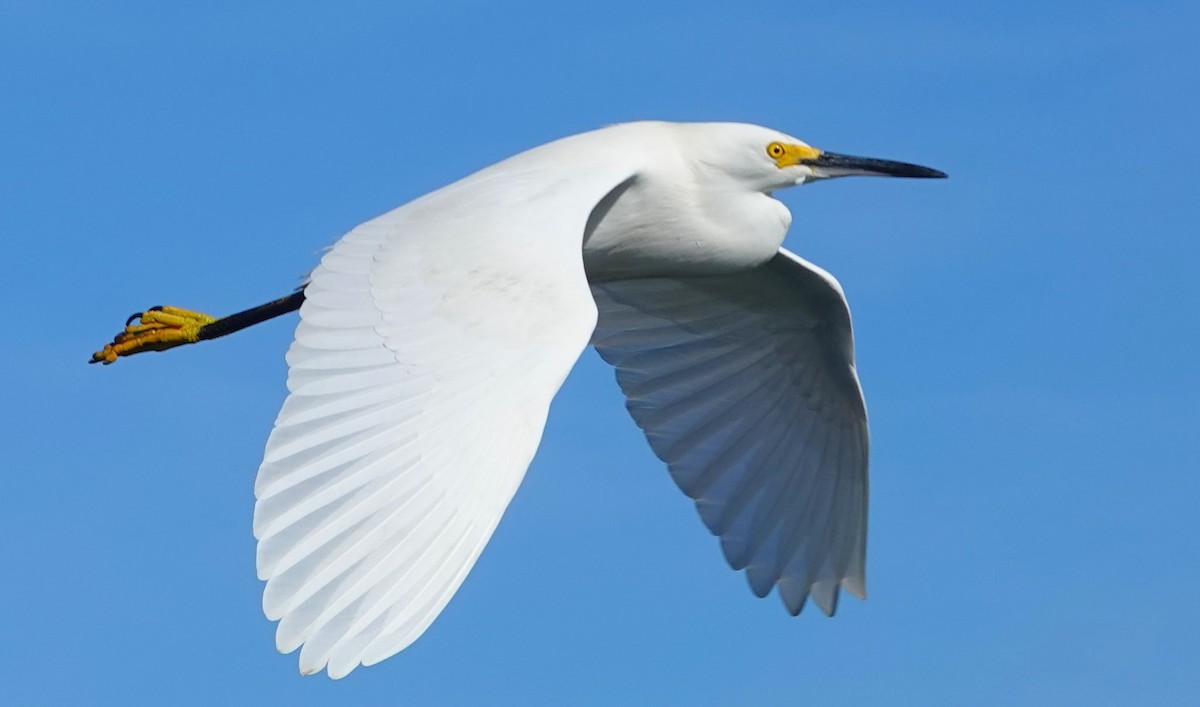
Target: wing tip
825, 594
856, 585
330, 672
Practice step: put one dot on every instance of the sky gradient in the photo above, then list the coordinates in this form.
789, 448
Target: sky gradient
1026, 336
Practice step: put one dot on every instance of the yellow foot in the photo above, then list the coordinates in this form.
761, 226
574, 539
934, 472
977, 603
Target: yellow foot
157, 329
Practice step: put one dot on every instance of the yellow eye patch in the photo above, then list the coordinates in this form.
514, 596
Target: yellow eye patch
786, 155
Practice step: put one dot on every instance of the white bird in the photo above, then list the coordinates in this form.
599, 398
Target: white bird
433, 338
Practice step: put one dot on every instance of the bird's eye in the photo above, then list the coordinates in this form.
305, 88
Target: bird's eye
776, 150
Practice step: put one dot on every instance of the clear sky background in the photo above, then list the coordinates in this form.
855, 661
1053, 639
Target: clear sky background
1027, 337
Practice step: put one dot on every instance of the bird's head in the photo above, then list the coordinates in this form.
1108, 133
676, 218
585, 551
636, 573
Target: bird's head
772, 160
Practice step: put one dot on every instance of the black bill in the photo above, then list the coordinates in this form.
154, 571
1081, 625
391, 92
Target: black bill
831, 164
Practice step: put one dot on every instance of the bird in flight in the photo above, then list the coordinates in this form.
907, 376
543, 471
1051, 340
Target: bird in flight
433, 338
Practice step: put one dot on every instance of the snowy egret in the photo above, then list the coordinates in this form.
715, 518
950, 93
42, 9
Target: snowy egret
432, 339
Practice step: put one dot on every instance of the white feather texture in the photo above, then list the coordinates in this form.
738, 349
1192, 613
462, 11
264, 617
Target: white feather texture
431, 342
745, 386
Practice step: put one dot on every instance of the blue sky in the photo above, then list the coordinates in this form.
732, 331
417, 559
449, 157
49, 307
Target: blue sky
1026, 337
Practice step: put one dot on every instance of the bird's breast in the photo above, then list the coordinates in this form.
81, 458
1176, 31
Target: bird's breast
642, 229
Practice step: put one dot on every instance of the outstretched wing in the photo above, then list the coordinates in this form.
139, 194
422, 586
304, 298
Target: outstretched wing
431, 342
745, 386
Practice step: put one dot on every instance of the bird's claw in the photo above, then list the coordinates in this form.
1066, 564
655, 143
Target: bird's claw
157, 329
156, 308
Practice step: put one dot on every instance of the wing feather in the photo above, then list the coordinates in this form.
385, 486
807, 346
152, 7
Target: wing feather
431, 342
745, 386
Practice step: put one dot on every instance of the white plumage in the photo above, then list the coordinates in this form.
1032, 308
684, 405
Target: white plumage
745, 386
434, 337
